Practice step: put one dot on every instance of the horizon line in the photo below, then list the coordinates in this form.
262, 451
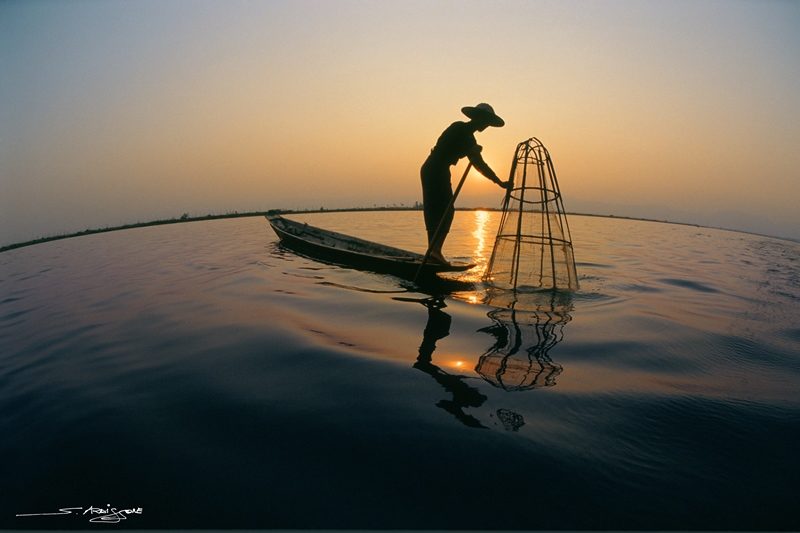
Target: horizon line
186, 218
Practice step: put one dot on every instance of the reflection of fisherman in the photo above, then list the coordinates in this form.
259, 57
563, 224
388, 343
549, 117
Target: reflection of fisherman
438, 327
457, 141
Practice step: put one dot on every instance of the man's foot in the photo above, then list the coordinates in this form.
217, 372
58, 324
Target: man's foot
437, 257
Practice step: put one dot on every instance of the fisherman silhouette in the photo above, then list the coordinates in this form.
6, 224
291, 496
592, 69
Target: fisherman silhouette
457, 141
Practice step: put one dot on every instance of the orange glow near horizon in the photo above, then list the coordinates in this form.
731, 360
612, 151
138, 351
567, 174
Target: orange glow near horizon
134, 111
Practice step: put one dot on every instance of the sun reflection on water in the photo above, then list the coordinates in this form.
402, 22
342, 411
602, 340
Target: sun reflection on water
480, 243
481, 220
474, 238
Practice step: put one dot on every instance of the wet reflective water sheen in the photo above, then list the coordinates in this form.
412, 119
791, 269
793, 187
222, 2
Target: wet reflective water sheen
207, 375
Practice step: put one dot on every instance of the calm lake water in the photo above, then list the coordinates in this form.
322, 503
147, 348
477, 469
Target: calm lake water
206, 375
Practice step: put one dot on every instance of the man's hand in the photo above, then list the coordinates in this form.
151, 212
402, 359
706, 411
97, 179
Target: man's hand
500, 183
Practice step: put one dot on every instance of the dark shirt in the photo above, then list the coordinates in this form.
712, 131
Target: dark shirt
458, 141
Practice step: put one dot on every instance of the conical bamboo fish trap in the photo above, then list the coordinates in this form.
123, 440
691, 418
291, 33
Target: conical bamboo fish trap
533, 247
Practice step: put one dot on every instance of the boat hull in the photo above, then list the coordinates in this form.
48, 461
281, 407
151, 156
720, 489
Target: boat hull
356, 253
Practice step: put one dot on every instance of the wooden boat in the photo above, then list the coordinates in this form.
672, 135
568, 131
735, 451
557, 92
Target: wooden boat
353, 252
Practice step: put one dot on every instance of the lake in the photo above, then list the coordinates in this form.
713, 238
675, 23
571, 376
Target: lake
199, 375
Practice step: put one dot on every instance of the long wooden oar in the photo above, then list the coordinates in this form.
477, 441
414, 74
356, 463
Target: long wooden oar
441, 222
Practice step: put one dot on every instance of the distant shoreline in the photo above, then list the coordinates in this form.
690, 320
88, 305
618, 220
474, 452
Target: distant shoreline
187, 218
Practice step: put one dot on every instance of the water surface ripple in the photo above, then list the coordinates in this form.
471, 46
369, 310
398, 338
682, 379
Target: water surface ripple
202, 372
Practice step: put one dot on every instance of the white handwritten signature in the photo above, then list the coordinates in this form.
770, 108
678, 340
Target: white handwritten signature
107, 515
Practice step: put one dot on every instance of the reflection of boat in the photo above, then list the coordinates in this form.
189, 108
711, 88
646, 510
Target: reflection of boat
354, 252
512, 365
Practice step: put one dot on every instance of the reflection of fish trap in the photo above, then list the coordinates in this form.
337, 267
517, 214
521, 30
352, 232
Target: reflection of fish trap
533, 248
520, 359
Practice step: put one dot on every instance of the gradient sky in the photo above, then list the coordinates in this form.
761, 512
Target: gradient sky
114, 112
